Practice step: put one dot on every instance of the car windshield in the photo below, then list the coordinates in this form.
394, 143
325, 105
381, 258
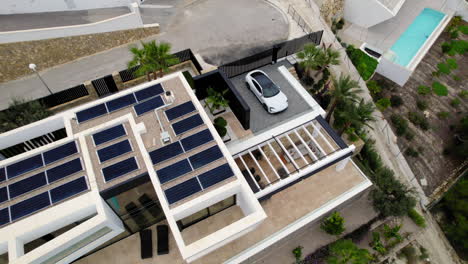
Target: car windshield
269, 88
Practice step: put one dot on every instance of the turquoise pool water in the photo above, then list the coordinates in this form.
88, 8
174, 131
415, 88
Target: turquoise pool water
409, 43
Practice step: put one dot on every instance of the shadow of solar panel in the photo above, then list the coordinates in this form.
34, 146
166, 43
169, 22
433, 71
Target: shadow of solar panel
215, 175
180, 110
68, 189
182, 190
24, 166
149, 92
3, 194
29, 206
109, 134
197, 140
166, 152
59, 153
149, 105
4, 216
187, 124
29, 184
119, 169
120, 102
90, 113
64, 170
173, 171
2, 174
114, 150
205, 157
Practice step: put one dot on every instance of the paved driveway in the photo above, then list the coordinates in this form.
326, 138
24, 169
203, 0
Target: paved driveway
261, 119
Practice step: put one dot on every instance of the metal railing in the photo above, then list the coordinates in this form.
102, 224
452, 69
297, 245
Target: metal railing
299, 20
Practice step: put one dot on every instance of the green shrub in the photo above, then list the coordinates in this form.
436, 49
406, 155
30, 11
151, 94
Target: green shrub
455, 102
220, 125
439, 89
383, 103
446, 47
364, 63
409, 135
376, 244
424, 254
463, 94
400, 123
418, 120
396, 101
421, 104
333, 224
410, 253
456, 78
452, 63
417, 218
374, 87
424, 90
443, 114
463, 29
443, 68
297, 252
412, 152
455, 47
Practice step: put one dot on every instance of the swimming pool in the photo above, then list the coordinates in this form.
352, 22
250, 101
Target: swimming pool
409, 43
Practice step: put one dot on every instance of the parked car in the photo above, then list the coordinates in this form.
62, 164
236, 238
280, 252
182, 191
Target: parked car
266, 91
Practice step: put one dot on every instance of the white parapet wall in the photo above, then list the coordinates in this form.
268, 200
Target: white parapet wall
357, 12
128, 21
393, 71
31, 6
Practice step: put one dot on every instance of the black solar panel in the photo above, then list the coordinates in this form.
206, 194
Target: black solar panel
182, 190
3, 194
59, 153
149, 105
109, 134
29, 184
114, 150
215, 175
91, 113
205, 157
2, 174
166, 152
173, 171
119, 169
180, 110
187, 124
68, 189
24, 166
120, 102
197, 140
149, 92
4, 216
29, 206
64, 170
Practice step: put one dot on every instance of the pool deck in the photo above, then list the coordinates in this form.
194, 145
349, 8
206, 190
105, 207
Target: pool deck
385, 34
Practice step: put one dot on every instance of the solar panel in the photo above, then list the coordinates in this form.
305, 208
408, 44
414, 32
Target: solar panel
166, 152
197, 140
180, 110
109, 134
120, 102
64, 170
119, 169
114, 150
215, 175
4, 216
149, 92
2, 174
68, 189
149, 105
3, 194
187, 124
173, 171
29, 206
24, 166
205, 157
26, 185
90, 113
182, 190
60, 152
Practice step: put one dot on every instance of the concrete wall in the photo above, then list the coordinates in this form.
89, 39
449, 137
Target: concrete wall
357, 12
460, 7
36, 6
393, 71
123, 22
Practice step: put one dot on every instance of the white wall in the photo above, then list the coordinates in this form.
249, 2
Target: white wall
36, 6
460, 7
366, 13
393, 71
123, 22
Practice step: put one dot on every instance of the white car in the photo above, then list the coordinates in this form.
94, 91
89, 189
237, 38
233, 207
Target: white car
266, 91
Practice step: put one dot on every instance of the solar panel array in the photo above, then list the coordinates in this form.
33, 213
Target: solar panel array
42, 200
114, 150
187, 124
122, 102
148, 105
180, 110
119, 169
109, 134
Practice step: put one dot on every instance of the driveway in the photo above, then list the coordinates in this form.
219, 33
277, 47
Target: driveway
259, 118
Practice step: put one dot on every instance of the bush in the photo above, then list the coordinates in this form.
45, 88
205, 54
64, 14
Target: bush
443, 114
417, 218
443, 68
424, 254
297, 252
452, 63
439, 89
396, 101
220, 125
411, 152
21, 112
463, 94
345, 251
424, 90
376, 244
456, 78
364, 63
455, 102
418, 120
410, 253
400, 123
383, 103
421, 104
409, 135
374, 87
333, 225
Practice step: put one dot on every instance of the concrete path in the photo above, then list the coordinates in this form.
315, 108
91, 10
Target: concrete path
220, 30
57, 19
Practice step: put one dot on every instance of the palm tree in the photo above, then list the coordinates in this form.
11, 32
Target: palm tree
328, 57
316, 58
355, 115
345, 90
308, 57
140, 59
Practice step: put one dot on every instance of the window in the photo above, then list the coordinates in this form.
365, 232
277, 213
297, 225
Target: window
257, 87
206, 212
